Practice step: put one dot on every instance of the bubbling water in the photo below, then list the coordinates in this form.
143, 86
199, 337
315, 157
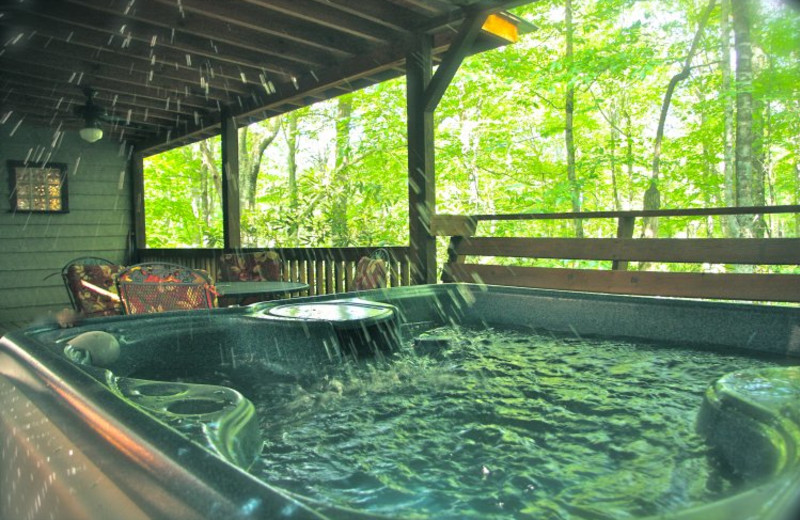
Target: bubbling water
466, 423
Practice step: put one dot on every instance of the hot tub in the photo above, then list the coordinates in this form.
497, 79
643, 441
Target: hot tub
292, 409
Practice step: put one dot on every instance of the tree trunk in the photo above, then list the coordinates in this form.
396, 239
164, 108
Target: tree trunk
569, 109
341, 180
612, 150
629, 157
759, 181
729, 222
744, 112
651, 223
209, 161
796, 198
291, 166
469, 154
250, 157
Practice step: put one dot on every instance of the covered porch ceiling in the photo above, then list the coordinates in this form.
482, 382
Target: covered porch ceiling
159, 73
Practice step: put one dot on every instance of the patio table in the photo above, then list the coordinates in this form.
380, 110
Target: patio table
239, 291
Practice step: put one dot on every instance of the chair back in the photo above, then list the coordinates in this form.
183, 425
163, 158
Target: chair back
159, 287
264, 266
89, 281
371, 271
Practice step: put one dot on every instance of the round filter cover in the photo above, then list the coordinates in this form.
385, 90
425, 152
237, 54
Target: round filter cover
339, 314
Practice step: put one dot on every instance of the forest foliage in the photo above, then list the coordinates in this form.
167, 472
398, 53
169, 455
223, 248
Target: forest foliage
654, 104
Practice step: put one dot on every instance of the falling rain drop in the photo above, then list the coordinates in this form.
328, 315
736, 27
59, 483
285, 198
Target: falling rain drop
129, 6
6, 116
153, 40
128, 119
14, 130
69, 37
242, 75
188, 60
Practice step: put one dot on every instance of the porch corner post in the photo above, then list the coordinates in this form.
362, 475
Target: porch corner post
231, 212
421, 174
137, 205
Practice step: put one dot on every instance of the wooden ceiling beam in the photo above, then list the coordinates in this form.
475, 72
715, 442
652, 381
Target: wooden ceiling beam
62, 80
329, 17
251, 19
172, 24
68, 25
386, 13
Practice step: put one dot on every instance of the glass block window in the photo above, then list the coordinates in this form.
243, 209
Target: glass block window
38, 188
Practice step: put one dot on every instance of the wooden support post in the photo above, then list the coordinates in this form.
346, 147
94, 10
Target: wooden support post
137, 183
421, 176
231, 212
452, 60
625, 227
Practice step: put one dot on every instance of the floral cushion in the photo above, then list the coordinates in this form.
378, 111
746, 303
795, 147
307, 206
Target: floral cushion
92, 302
150, 288
251, 267
370, 274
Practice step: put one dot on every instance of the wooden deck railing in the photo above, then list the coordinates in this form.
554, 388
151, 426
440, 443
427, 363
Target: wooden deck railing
325, 270
619, 251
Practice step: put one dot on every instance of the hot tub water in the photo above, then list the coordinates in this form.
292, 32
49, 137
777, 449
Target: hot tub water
479, 423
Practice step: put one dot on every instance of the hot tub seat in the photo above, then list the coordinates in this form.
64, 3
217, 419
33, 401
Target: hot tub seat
752, 419
218, 418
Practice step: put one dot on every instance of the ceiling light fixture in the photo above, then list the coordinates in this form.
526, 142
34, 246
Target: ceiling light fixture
502, 26
91, 133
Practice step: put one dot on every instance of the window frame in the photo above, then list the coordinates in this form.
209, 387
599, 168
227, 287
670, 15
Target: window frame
45, 169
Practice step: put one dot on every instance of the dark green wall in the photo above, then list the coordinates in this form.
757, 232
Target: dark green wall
32, 246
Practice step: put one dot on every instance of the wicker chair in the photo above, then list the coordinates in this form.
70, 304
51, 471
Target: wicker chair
371, 271
250, 267
264, 266
159, 287
89, 281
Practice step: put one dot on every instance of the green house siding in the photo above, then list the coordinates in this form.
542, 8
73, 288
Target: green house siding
34, 246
